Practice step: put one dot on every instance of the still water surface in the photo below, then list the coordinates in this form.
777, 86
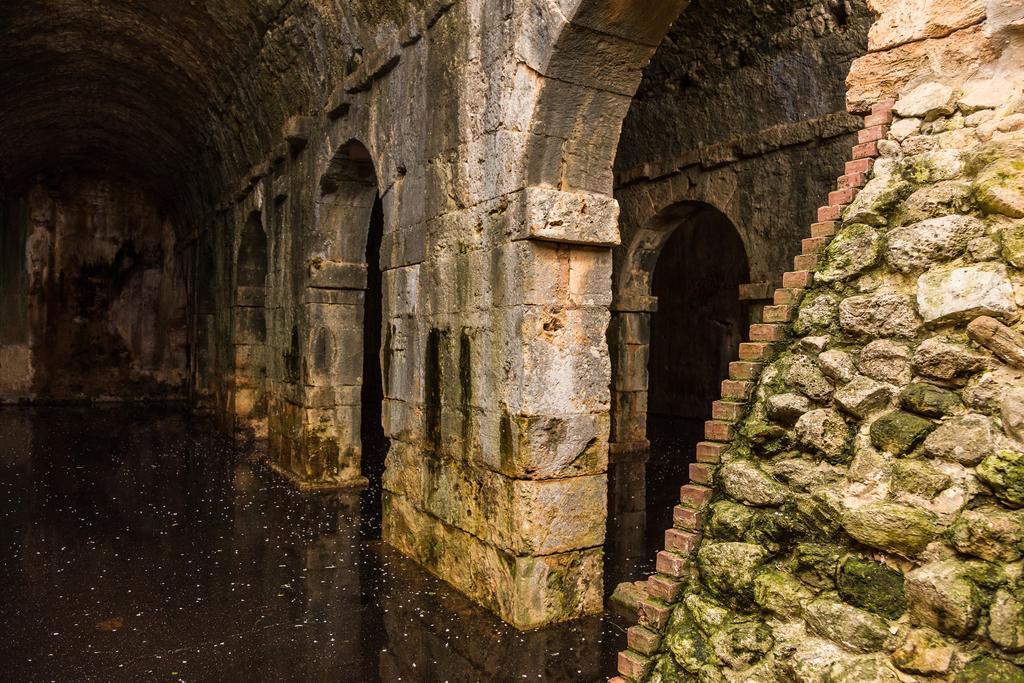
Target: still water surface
136, 544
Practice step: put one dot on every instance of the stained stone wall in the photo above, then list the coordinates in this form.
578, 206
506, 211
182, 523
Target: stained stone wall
856, 511
92, 293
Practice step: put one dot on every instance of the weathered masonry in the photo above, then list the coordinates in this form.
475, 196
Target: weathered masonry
538, 252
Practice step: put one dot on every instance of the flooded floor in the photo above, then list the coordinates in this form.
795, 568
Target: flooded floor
136, 544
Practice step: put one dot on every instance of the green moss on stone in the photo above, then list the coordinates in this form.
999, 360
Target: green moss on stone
930, 400
898, 432
872, 586
991, 670
1004, 473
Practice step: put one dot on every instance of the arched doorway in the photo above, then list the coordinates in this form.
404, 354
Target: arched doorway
330, 406
677, 325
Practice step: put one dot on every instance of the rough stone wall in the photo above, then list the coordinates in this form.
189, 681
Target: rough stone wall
94, 294
856, 514
742, 108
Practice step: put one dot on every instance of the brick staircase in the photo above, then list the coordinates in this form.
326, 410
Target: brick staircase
674, 564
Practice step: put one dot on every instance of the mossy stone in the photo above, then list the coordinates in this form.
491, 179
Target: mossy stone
920, 478
728, 569
892, 527
729, 521
991, 670
1013, 245
872, 586
930, 400
1003, 471
899, 432
781, 594
815, 563
854, 250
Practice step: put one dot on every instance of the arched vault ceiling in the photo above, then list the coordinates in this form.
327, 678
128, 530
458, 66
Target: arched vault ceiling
177, 94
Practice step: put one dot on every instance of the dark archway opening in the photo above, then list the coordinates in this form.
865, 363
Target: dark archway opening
694, 335
371, 429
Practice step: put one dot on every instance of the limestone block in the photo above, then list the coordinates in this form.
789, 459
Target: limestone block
892, 527
921, 245
548, 446
929, 400
837, 365
924, 652
747, 483
1013, 244
786, 409
990, 533
871, 207
569, 217
881, 75
863, 396
966, 439
804, 374
326, 274
853, 628
927, 101
943, 360
526, 591
826, 432
886, 361
854, 250
904, 21
967, 292
781, 593
943, 596
899, 432
1000, 189
1001, 340
729, 569
1006, 621
1011, 410
879, 315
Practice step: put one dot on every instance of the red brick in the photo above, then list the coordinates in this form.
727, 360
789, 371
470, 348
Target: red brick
693, 496
777, 314
642, 640
679, 541
799, 279
702, 472
880, 119
654, 614
687, 518
737, 389
866, 150
788, 297
871, 133
618, 679
711, 451
664, 588
805, 262
859, 166
727, 411
671, 564
766, 332
883, 106
753, 351
829, 213
715, 430
812, 245
824, 229
852, 180
742, 369
633, 665
841, 197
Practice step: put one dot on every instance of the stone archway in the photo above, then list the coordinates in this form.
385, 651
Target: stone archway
316, 438
676, 324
